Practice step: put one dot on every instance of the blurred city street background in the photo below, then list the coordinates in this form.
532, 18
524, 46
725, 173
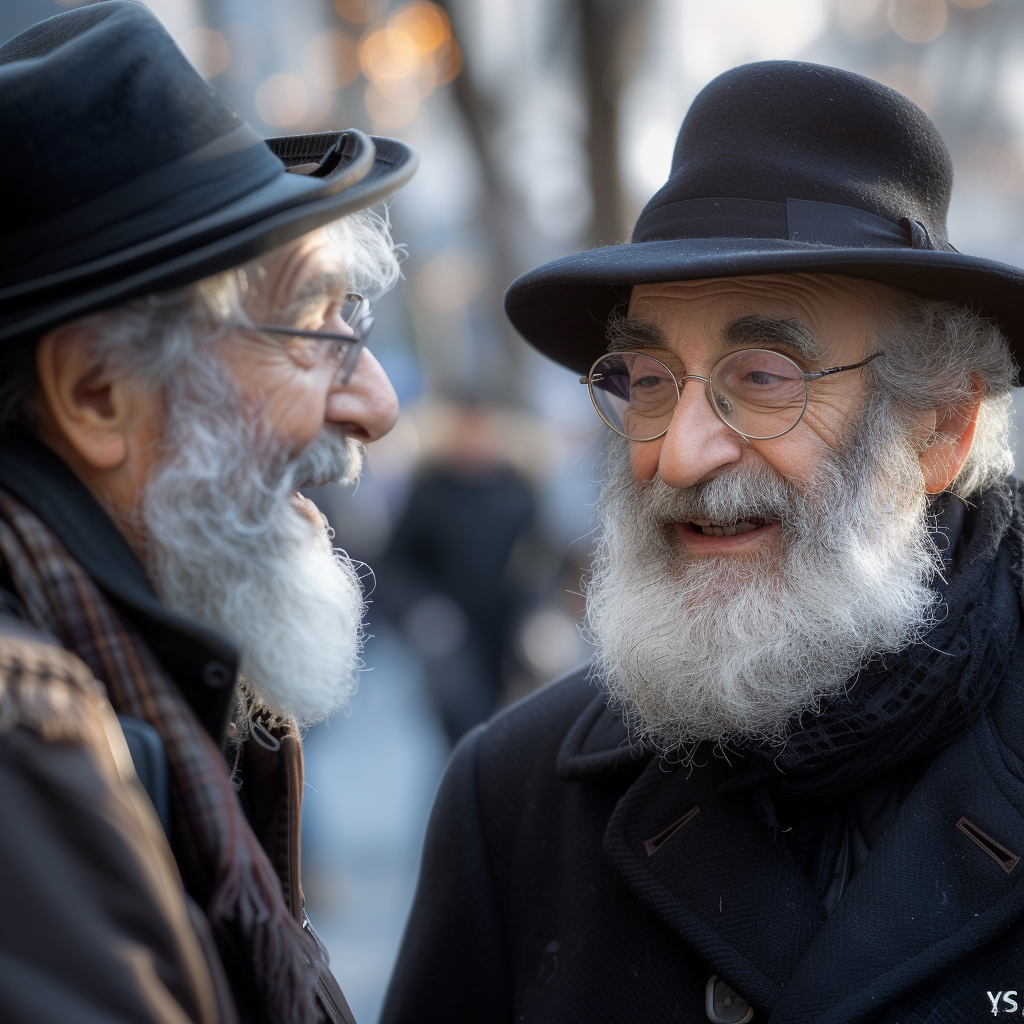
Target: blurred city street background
543, 127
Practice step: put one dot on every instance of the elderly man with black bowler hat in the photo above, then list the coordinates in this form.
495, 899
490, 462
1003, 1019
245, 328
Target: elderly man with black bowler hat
183, 316
790, 787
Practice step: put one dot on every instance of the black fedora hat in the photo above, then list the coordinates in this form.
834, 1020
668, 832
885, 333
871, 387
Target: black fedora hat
780, 167
126, 173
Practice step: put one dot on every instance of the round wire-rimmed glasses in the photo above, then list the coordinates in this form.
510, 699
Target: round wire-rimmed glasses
346, 348
758, 392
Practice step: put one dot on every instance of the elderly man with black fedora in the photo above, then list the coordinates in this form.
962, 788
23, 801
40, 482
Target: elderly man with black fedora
183, 316
790, 787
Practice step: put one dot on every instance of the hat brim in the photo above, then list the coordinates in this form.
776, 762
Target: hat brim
288, 206
562, 307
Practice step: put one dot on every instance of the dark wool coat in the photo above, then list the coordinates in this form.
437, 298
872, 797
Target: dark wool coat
539, 902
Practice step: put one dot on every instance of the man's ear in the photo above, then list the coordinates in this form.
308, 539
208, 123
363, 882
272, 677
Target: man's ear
951, 444
88, 408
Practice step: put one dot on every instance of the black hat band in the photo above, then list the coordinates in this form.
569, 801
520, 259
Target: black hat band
185, 189
795, 220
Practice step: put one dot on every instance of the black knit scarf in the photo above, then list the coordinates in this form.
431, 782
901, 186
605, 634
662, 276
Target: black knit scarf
906, 707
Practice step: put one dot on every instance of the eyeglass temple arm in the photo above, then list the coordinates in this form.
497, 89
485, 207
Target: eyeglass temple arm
293, 332
840, 369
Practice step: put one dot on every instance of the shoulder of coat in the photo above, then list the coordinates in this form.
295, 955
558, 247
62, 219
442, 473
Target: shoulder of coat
46, 689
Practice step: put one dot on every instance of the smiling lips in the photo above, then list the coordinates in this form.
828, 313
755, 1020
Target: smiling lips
710, 529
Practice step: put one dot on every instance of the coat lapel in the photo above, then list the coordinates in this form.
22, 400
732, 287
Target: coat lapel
715, 877
927, 897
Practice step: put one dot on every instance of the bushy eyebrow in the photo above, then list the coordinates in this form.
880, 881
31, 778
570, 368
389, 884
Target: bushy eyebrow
754, 330
314, 294
625, 334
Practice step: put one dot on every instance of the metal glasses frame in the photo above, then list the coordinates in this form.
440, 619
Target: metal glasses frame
354, 342
591, 377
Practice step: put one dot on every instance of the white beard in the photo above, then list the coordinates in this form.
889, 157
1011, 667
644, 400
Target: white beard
226, 548
719, 648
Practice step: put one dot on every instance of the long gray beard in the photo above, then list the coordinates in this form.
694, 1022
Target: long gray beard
719, 648
226, 548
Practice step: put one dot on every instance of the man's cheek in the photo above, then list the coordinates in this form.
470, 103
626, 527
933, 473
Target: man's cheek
643, 457
796, 456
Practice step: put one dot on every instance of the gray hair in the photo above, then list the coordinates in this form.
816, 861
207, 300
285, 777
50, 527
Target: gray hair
150, 338
936, 353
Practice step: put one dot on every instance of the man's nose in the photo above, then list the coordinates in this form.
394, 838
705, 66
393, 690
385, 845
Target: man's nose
366, 407
698, 444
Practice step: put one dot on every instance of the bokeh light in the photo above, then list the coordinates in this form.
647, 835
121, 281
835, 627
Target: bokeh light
448, 62
550, 642
389, 55
361, 12
330, 60
918, 21
651, 159
425, 23
208, 51
758, 30
448, 281
389, 111
405, 60
864, 19
282, 100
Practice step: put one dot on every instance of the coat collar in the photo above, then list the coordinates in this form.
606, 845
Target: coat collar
202, 662
598, 744
926, 898
733, 895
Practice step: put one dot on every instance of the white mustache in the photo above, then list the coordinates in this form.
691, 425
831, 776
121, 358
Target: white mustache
746, 492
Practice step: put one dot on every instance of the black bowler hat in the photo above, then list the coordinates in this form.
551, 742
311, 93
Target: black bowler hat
125, 172
780, 167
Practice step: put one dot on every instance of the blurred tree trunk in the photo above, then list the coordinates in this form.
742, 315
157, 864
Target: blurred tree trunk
608, 31
602, 56
481, 117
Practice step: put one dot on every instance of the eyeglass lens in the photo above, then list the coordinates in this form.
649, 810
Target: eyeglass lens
759, 393
355, 312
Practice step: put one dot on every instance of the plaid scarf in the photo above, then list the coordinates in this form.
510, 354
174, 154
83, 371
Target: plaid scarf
223, 865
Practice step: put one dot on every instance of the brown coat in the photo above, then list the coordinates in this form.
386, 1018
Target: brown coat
96, 925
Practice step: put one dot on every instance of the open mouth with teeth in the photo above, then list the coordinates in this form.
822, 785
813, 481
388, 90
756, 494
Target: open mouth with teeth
712, 529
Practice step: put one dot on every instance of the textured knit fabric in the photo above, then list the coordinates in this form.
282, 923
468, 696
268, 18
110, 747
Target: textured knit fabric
223, 865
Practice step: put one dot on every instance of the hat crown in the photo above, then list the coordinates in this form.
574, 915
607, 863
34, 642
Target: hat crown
95, 98
780, 130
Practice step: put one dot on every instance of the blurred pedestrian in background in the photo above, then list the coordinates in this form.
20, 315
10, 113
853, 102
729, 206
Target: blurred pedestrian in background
183, 315
448, 576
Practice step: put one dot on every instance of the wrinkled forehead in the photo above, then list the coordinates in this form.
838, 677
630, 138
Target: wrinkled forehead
309, 270
839, 312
